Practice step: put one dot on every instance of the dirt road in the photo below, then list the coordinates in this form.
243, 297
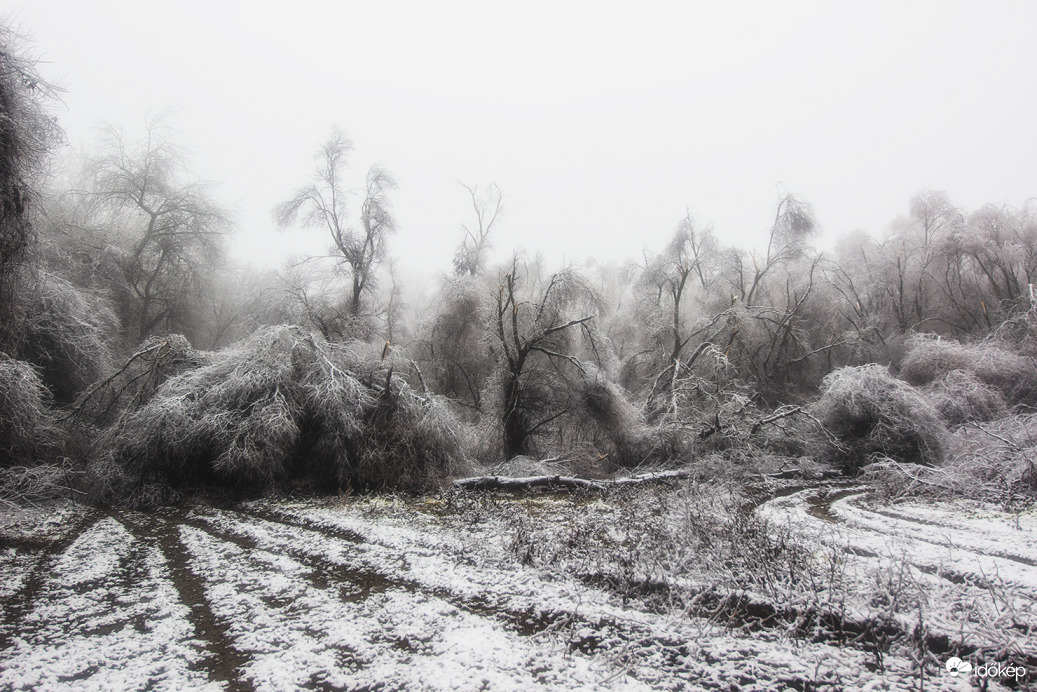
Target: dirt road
378, 594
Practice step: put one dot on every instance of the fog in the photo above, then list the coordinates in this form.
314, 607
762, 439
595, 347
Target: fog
601, 123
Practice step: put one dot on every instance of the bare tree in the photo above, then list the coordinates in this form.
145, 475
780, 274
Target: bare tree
470, 257
672, 285
166, 235
324, 204
687, 266
534, 334
794, 225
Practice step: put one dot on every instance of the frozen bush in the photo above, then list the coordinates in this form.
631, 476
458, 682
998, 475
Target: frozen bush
631, 442
27, 430
999, 457
280, 407
869, 412
959, 398
994, 461
135, 382
65, 333
929, 359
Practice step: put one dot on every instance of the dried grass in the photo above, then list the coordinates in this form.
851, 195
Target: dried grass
871, 413
281, 406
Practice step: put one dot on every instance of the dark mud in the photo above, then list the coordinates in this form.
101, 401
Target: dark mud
820, 503
271, 515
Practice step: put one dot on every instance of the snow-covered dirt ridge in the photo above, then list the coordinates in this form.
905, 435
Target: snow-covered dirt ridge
385, 593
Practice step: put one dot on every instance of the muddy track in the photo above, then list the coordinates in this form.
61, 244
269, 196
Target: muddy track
222, 661
16, 606
294, 521
270, 597
358, 583
817, 502
733, 610
822, 498
738, 611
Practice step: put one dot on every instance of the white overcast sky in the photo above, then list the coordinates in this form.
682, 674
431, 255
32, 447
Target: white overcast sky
602, 122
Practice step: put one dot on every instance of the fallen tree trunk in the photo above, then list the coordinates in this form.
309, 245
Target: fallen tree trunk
509, 483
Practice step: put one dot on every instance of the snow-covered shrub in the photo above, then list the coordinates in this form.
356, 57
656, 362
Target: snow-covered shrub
281, 406
870, 412
960, 397
27, 430
998, 458
66, 333
929, 359
994, 461
135, 382
630, 441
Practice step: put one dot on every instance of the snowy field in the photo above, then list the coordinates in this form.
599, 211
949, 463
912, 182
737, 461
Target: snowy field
401, 594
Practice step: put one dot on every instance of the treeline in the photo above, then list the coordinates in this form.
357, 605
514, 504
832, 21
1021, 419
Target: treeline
135, 360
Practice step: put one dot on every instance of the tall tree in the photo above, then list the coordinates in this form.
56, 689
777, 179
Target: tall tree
535, 324
166, 234
793, 227
324, 204
27, 133
669, 285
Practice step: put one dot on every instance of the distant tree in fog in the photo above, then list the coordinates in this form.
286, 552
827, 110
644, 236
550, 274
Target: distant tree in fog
164, 234
470, 256
324, 204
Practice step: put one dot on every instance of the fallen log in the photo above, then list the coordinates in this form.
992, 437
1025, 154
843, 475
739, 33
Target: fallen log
510, 483
800, 474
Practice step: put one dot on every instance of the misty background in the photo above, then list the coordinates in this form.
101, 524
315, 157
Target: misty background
602, 123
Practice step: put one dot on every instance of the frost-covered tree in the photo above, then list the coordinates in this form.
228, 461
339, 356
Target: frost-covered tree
324, 204
27, 133
159, 235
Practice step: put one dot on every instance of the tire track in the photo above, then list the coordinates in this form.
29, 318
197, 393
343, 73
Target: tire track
16, 606
1029, 562
865, 524
222, 661
527, 622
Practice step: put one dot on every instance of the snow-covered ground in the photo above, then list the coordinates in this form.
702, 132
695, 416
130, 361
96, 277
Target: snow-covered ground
393, 594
